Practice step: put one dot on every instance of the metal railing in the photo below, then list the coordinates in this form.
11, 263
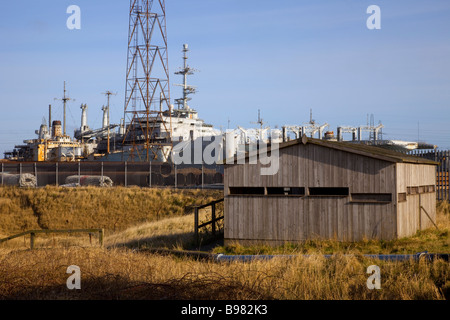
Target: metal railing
442, 170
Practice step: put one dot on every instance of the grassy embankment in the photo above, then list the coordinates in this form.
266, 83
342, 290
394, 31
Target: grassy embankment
114, 209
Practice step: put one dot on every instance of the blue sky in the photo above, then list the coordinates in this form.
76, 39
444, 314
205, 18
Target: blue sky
284, 57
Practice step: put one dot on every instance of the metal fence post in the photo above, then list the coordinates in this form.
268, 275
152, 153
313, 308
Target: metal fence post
175, 176
203, 181
441, 177
35, 173
79, 173
2, 172
57, 182
447, 178
126, 183
150, 175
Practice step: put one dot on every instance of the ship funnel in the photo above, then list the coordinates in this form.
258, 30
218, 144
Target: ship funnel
57, 129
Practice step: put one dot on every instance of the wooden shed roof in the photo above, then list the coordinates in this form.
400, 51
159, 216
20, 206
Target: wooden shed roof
360, 149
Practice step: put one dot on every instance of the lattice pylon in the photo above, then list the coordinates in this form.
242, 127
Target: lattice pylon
147, 93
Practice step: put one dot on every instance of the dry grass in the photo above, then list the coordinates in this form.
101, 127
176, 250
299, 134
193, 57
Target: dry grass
123, 274
431, 240
113, 209
169, 233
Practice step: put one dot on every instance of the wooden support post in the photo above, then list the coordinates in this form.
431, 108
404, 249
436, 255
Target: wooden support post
101, 236
420, 211
32, 238
2, 172
79, 173
429, 217
56, 165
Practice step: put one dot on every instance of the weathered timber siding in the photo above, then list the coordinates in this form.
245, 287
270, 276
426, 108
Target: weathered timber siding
286, 218
410, 217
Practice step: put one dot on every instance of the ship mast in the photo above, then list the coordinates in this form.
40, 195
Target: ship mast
65, 99
187, 89
108, 94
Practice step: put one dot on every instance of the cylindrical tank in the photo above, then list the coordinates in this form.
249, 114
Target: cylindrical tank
230, 146
56, 129
122, 127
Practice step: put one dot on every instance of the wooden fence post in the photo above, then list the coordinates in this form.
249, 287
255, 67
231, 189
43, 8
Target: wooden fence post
32, 237
100, 237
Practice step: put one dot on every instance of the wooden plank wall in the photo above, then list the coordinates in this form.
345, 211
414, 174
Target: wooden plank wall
410, 217
287, 218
